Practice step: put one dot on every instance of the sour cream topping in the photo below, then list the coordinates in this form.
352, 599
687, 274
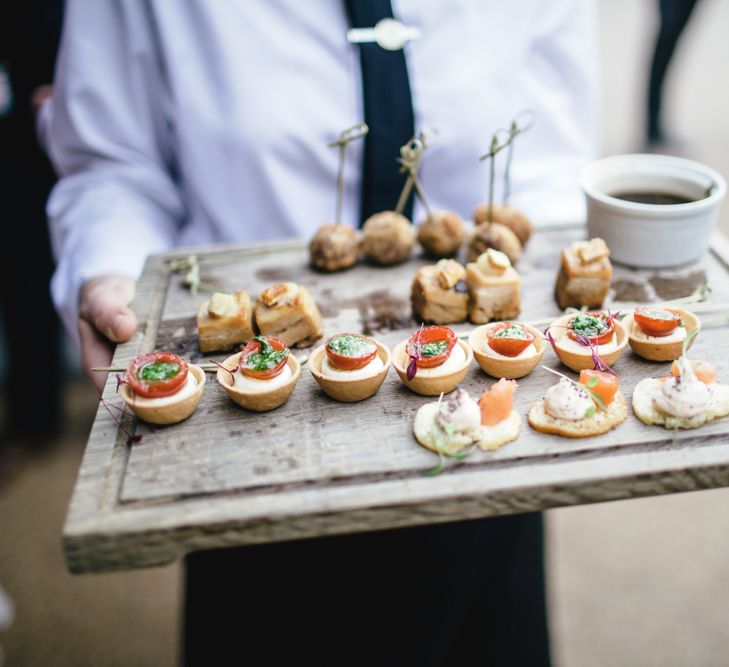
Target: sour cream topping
677, 335
527, 352
685, 395
459, 413
568, 343
185, 390
245, 383
372, 368
565, 400
455, 360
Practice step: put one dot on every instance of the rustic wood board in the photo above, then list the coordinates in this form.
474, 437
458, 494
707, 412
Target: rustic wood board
315, 467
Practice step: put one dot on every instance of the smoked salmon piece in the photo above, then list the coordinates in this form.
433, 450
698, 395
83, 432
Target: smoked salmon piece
703, 369
605, 385
496, 403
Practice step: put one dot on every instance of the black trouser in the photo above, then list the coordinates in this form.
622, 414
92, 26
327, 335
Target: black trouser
468, 593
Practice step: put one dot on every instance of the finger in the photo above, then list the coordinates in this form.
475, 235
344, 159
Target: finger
95, 351
115, 321
105, 304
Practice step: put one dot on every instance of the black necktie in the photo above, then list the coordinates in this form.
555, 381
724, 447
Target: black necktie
388, 110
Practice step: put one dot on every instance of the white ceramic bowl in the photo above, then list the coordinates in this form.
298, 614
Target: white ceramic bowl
652, 235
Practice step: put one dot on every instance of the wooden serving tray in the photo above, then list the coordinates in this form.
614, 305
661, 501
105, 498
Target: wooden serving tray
316, 467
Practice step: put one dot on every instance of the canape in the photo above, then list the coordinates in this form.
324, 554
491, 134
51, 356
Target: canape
387, 238
494, 288
441, 234
584, 275
506, 215
657, 333
350, 367
493, 235
451, 424
262, 376
576, 337
579, 409
287, 311
432, 360
162, 388
224, 320
439, 293
334, 247
507, 349
686, 399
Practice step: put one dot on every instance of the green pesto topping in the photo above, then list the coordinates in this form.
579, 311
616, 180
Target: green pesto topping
434, 349
659, 314
588, 325
348, 345
158, 371
513, 331
266, 358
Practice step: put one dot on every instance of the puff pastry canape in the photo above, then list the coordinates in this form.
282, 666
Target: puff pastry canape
287, 311
224, 320
162, 388
493, 285
439, 293
584, 275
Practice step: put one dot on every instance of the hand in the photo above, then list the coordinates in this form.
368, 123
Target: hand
104, 319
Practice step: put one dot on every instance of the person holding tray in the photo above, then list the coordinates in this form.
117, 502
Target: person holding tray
203, 123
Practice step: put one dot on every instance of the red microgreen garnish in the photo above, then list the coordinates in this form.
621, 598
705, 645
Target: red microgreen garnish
600, 364
130, 438
552, 341
120, 381
232, 373
414, 355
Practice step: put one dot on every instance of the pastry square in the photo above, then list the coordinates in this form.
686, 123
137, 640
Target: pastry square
494, 288
439, 293
288, 312
225, 320
584, 275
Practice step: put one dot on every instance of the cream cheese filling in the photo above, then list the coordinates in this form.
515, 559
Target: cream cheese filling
372, 368
455, 361
245, 383
184, 391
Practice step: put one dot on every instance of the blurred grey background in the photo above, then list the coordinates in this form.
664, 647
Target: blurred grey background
640, 583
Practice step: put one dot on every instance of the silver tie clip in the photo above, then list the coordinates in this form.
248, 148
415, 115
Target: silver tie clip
389, 34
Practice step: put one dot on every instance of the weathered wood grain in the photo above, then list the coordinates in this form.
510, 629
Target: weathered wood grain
315, 466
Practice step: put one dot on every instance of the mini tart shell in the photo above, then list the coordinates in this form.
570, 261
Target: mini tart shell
500, 367
431, 386
171, 413
258, 401
579, 361
655, 350
345, 389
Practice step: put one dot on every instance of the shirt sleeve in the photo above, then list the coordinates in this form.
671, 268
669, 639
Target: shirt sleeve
561, 79
117, 200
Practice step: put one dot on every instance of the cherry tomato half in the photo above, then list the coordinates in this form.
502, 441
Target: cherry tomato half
431, 346
263, 358
656, 321
605, 327
509, 338
157, 374
350, 351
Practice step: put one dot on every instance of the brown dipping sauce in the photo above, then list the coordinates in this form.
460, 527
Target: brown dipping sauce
664, 198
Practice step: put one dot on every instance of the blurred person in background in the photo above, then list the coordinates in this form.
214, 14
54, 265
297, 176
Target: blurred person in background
674, 16
199, 123
29, 33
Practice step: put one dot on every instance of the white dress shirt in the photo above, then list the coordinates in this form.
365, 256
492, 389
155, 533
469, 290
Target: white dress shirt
178, 123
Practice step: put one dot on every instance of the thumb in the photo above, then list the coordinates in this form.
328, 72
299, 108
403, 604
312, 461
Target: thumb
104, 304
117, 322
